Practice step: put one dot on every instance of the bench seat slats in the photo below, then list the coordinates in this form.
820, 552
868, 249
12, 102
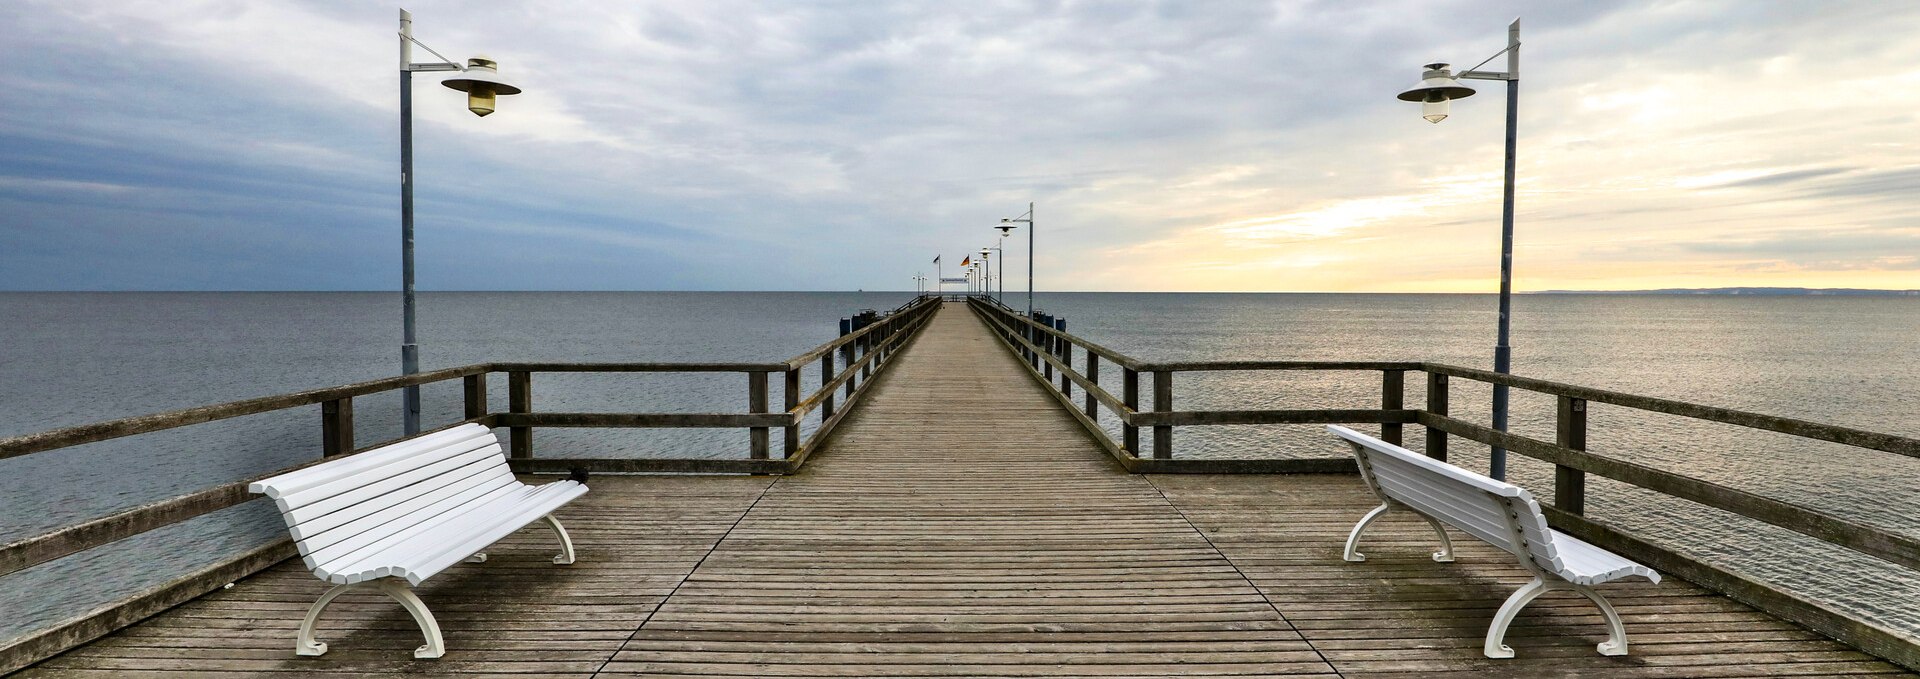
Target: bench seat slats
379, 525
295, 481
471, 471
431, 552
371, 542
401, 543
1586, 564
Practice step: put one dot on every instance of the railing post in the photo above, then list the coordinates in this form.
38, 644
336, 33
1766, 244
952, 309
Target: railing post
1437, 404
1066, 357
1034, 337
1093, 377
1569, 484
1130, 395
1393, 396
793, 401
826, 378
520, 401
757, 437
474, 394
866, 350
1047, 345
846, 357
336, 427
1163, 403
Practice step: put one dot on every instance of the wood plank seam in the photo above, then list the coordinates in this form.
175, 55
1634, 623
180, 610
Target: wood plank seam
683, 578
1236, 566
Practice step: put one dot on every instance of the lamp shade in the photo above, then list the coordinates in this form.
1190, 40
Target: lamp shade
482, 82
1437, 84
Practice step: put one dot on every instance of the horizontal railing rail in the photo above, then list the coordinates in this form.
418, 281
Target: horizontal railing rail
1047, 350
1858, 438
864, 353
65, 437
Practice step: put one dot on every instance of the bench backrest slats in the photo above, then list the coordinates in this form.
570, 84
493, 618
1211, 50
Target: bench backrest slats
355, 507
356, 500
296, 481
1472, 510
332, 495
1502, 514
343, 557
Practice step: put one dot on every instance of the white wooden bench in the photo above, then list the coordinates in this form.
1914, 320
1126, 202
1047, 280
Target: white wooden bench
391, 517
1502, 514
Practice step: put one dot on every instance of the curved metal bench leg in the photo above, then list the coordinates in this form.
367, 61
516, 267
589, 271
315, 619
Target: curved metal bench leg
1445, 555
1616, 643
429, 628
305, 644
1353, 539
566, 542
1497, 633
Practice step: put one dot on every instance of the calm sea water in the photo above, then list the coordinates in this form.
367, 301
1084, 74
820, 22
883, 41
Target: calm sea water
72, 358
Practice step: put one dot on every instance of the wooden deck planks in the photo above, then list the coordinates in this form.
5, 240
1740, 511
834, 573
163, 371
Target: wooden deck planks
1400, 613
517, 614
960, 524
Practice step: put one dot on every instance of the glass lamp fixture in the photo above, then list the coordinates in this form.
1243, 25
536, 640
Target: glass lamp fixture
482, 82
1437, 87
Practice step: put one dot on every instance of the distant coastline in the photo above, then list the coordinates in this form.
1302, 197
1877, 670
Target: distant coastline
1763, 292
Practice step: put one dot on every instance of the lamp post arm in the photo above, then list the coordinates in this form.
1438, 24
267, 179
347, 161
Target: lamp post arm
1513, 59
1510, 74
407, 64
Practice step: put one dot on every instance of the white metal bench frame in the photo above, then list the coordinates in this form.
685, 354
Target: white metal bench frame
392, 517
1556, 560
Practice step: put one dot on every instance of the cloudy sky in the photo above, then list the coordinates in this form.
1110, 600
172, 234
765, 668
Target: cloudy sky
1178, 145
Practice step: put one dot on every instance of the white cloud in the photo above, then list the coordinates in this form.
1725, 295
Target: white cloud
1233, 146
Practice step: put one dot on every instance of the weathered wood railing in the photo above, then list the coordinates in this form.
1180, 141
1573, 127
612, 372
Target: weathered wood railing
1052, 348
861, 354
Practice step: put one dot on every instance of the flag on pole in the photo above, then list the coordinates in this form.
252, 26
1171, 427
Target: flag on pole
966, 261
936, 259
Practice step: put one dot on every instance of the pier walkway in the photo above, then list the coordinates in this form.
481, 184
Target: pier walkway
961, 524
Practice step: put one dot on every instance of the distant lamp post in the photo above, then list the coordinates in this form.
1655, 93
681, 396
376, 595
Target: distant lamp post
480, 79
1437, 88
986, 278
997, 252
1007, 225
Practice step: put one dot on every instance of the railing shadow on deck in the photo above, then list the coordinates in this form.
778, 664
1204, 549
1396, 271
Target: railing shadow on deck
847, 366
1048, 353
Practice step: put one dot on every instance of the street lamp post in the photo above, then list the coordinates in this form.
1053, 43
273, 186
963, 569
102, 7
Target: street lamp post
1436, 89
1005, 226
480, 79
997, 252
986, 277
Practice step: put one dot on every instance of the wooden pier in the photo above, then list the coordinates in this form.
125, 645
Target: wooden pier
959, 522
